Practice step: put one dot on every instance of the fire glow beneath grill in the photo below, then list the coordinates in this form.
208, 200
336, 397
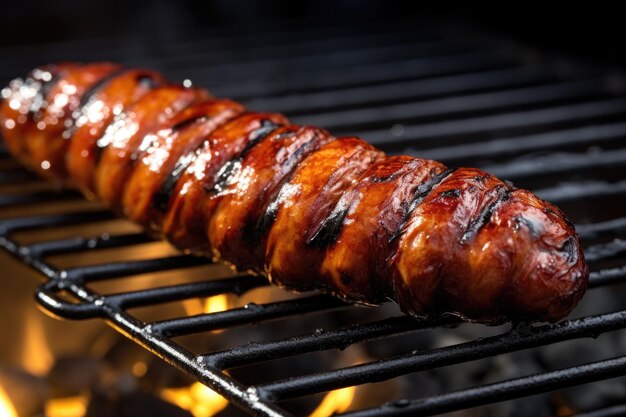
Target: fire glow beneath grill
202, 401
67, 407
198, 399
6, 406
335, 402
38, 358
208, 305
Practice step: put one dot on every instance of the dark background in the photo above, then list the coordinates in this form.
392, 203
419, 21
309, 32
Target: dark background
594, 33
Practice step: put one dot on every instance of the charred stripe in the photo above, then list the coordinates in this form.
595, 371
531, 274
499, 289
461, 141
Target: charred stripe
164, 194
502, 194
421, 192
331, 226
162, 197
263, 224
231, 166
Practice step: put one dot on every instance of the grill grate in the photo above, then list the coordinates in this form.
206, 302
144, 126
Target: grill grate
552, 127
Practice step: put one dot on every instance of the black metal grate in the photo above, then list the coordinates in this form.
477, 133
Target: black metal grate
556, 128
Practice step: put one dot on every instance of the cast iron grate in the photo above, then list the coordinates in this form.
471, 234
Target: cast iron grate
556, 128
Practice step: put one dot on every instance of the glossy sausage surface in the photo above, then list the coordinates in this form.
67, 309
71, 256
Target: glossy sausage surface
293, 203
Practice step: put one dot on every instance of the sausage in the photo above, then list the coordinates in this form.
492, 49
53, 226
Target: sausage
293, 203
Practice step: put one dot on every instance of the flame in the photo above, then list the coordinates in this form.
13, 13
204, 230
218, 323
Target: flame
6, 406
36, 357
216, 303
198, 399
66, 407
193, 306
202, 401
336, 401
208, 305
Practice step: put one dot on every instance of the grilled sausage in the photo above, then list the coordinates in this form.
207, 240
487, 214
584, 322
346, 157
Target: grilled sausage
293, 203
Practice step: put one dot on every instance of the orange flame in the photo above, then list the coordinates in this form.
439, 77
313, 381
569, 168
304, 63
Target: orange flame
336, 401
66, 407
198, 399
216, 303
207, 305
201, 401
6, 406
36, 357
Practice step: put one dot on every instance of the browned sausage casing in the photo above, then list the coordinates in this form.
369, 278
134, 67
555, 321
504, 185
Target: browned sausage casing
293, 203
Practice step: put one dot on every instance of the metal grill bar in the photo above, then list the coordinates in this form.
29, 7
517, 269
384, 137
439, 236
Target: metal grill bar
25, 223
433, 87
589, 189
518, 120
612, 250
377, 46
217, 48
320, 340
343, 337
120, 269
324, 59
595, 133
524, 337
249, 314
579, 328
9, 200
160, 295
80, 243
543, 94
502, 391
558, 164
261, 35
610, 276
608, 228
368, 74
166, 350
